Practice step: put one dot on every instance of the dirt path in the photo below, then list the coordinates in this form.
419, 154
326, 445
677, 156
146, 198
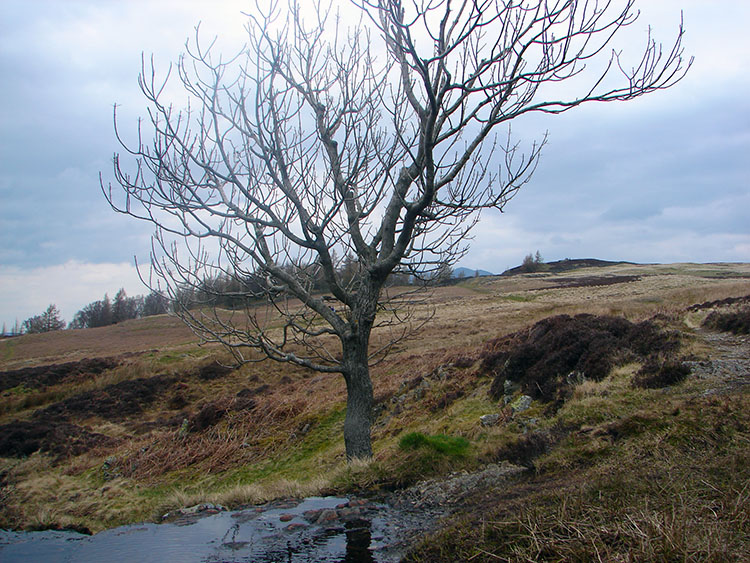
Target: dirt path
728, 369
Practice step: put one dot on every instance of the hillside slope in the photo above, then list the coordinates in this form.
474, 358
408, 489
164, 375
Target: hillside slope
158, 422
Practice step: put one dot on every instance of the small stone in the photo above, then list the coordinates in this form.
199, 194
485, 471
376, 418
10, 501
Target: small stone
286, 517
295, 526
521, 404
349, 513
326, 516
489, 419
311, 515
509, 387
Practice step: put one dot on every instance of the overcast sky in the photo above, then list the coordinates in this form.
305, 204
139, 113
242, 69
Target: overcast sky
665, 178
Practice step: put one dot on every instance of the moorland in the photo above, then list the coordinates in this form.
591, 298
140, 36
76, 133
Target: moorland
619, 393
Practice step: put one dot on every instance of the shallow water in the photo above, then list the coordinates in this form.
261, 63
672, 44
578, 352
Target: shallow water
251, 535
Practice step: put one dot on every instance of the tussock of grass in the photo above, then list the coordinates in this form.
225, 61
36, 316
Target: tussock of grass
452, 446
239, 495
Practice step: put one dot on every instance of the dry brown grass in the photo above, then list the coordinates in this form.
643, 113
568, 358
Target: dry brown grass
244, 494
152, 333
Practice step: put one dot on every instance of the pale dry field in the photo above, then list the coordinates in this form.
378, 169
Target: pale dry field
458, 317
469, 314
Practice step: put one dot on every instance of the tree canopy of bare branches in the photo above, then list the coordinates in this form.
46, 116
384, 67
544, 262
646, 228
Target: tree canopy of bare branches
378, 143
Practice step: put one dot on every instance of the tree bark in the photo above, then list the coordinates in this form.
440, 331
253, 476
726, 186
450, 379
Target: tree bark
359, 400
356, 368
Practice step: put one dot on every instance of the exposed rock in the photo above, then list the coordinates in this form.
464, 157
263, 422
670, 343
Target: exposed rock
442, 495
206, 507
349, 513
326, 516
523, 403
489, 419
510, 388
108, 469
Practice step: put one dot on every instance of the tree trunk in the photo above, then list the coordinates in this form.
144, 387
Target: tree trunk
359, 400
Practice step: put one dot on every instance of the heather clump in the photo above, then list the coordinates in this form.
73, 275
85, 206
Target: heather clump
551, 356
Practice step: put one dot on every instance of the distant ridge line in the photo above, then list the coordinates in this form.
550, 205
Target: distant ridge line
462, 272
558, 266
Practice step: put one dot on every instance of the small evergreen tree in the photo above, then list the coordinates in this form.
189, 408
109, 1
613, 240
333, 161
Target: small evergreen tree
532, 263
46, 322
155, 304
95, 314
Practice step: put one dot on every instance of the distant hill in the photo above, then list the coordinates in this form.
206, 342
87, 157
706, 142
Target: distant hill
469, 273
564, 265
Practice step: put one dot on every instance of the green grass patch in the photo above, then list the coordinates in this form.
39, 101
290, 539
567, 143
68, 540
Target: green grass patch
518, 298
452, 446
324, 434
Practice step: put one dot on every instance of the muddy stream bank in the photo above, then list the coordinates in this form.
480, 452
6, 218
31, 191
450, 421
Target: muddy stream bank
316, 529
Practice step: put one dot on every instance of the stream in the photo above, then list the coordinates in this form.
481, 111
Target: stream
325, 529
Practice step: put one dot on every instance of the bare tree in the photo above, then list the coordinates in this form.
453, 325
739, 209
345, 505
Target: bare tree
377, 143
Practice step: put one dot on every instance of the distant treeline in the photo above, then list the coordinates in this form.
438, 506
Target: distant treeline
235, 292
223, 291
107, 312
97, 313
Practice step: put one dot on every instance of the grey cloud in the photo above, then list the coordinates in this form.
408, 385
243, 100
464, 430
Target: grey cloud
659, 179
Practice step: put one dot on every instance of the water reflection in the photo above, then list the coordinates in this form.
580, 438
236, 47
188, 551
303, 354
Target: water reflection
358, 539
351, 543
252, 535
